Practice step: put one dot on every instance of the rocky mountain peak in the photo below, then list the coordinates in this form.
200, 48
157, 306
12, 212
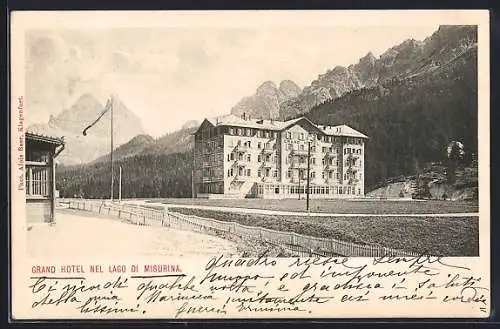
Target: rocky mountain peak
266, 100
190, 124
71, 122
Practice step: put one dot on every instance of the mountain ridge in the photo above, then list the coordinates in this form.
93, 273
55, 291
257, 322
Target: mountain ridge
411, 57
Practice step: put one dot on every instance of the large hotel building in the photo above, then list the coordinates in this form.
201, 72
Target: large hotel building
240, 157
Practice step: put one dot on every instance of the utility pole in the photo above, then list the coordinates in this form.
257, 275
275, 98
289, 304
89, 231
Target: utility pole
308, 172
120, 187
111, 153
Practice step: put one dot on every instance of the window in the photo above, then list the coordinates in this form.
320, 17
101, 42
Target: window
330, 174
37, 181
288, 135
268, 145
259, 158
240, 156
337, 175
313, 148
275, 173
232, 156
248, 131
228, 157
249, 157
301, 147
266, 134
259, 173
323, 162
231, 131
289, 173
249, 144
288, 146
301, 136
268, 158
275, 134
238, 132
268, 171
238, 143
259, 145
313, 174
313, 161
323, 175
323, 149
248, 172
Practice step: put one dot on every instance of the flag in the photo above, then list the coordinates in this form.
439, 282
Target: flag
108, 106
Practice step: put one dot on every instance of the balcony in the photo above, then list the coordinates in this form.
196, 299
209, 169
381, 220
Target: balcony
330, 166
298, 165
241, 148
269, 179
240, 178
266, 164
268, 150
298, 152
330, 154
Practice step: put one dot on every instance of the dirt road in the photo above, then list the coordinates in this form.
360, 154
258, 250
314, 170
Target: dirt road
85, 235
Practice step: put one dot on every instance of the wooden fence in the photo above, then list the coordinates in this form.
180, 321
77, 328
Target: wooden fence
296, 243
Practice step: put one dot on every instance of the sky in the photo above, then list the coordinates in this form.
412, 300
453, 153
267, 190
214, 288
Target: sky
170, 75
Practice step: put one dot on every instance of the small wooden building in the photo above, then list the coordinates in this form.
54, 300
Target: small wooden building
40, 177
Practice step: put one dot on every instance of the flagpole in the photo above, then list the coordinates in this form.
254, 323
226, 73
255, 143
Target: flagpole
111, 153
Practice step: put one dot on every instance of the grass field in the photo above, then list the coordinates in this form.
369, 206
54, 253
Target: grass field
339, 206
444, 236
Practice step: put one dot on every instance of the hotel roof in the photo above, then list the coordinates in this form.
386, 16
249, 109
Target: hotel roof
233, 120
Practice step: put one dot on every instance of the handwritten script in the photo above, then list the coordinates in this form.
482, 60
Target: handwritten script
265, 287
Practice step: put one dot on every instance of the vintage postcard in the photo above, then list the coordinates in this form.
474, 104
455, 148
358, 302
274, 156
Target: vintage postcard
250, 164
